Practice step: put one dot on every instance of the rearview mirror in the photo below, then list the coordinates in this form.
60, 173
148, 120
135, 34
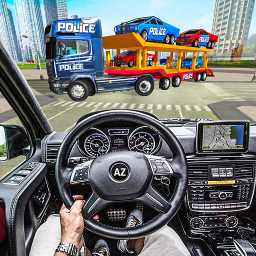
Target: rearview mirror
13, 142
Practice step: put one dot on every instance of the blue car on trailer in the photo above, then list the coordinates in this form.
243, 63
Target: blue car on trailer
187, 63
150, 28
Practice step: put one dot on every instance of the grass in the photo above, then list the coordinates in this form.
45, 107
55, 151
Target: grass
30, 65
232, 64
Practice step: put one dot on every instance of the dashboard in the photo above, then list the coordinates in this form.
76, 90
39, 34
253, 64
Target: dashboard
101, 140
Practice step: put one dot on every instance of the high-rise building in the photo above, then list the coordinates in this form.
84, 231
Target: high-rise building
8, 32
231, 22
30, 24
55, 10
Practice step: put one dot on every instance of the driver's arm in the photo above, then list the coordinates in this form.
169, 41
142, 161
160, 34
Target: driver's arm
72, 224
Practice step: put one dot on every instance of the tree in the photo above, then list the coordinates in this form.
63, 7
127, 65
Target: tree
40, 57
3, 150
251, 40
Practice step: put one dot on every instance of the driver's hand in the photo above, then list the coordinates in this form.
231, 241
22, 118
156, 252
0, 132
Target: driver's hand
72, 223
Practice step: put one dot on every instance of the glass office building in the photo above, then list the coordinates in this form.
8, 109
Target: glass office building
231, 22
30, 23
8, 32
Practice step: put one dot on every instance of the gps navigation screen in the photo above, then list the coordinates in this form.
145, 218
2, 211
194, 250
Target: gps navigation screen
223, 137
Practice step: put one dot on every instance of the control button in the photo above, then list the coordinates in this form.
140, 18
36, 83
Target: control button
222, 172
222, 195
207, 206
201, 206
230, 172
213, 195
196, 223
231, 222
213, 206
233, 205
195, 206
24, 172
31, 166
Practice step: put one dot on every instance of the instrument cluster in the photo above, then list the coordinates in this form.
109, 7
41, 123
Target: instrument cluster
95, 141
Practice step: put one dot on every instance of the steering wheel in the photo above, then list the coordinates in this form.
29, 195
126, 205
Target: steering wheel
123, 176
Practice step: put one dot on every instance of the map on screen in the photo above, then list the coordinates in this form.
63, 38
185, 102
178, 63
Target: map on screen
223, 137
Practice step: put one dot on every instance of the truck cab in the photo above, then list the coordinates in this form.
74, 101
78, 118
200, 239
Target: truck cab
75, 60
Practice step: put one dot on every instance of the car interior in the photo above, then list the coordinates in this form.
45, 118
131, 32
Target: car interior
196, 176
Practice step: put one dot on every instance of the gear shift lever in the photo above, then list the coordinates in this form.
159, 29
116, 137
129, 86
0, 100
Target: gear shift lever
244, 247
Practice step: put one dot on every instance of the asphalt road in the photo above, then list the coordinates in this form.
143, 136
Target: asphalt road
190, 100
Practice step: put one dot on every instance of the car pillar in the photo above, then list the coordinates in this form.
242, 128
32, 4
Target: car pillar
168, 62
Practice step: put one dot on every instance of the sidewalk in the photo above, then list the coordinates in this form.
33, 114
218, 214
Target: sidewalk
221, 74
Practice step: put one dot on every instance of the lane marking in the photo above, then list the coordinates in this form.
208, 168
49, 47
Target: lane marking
123, 105
159, 106
169, 107
207, 108
181, 114
98, 104
197, 108
80, 105
106, 105
65, 104
150, 106
73, 104
177, 107
221, 93
89, 105
59, 114
141, 106
187, 107
115, 105
132, 105
58, 103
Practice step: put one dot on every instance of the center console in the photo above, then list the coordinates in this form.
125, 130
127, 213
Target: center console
217, 189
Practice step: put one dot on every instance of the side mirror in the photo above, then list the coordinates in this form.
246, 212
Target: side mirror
13, 142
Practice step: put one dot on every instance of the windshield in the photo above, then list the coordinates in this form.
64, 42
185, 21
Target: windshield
218, 85
191, 32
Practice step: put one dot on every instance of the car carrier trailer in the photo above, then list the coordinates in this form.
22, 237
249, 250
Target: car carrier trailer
75, 61
133, 41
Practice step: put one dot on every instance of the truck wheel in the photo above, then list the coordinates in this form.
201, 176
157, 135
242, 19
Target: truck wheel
176, 81
164, 83
198, 77
195, 43
130, 64
167, 39
144, 35
212, 45
144, 86
203, 76
78, 91
118, 64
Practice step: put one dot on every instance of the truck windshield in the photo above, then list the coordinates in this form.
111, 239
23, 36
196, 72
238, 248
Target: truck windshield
67, 47
191, 32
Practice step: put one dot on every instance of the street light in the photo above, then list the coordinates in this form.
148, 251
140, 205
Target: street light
41, 74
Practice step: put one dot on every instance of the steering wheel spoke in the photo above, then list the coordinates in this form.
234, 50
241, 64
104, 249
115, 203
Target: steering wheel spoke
80, 174
93, 205
160, 165
177, 169
154, 199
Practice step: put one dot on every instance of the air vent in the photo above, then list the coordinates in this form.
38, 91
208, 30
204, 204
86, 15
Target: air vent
197, 172
244, 171
52, 152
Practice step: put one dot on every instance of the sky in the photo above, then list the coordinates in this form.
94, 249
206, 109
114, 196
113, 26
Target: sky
184, 14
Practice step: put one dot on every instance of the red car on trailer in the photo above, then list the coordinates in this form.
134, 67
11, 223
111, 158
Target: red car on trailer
196, 38
129, 58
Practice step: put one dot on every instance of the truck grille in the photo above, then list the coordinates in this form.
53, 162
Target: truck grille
49, 68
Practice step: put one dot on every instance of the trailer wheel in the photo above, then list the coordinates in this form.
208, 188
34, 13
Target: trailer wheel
203, 76
130, 64
198, 77
78, 90
144, 86
176, 81
164, 83
144, 35
195, 43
